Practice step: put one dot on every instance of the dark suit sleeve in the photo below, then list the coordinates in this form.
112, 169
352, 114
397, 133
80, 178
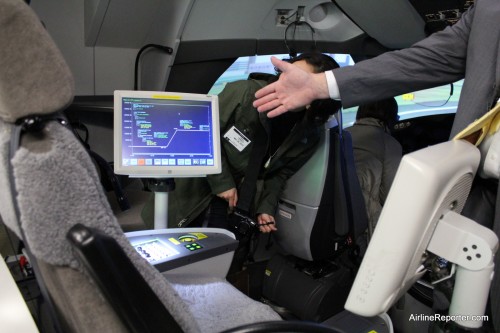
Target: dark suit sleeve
434, 61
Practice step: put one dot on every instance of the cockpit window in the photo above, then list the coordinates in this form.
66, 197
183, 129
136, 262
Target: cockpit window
439, 100
243, 66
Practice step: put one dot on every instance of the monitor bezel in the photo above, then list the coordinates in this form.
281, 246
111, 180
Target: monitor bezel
164, 171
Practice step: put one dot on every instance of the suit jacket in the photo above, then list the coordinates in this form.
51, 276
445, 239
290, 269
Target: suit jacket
469, 49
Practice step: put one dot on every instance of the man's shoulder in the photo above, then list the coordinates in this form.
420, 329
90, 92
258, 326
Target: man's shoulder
245, 85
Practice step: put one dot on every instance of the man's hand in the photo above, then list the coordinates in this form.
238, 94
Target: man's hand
231, 196
266, 223
295, 89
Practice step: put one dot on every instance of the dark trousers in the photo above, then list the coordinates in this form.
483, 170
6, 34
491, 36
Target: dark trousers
216, 216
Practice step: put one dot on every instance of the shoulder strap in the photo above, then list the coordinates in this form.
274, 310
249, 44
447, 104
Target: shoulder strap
354, 201
249, 185
105, 168
108, 176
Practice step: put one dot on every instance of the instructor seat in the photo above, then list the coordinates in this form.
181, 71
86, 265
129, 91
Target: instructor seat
321, 221
50, 185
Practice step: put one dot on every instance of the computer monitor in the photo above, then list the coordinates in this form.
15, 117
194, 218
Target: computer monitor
420, 215
166, 134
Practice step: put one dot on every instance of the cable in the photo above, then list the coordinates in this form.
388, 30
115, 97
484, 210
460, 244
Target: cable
167, 49
292, 52
299, 20
287, 18
437, 106
388, 321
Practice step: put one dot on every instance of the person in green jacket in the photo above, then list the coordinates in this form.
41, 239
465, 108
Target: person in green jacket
290, 141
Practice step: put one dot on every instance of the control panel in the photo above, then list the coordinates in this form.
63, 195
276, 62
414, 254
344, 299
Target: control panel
168, 249
440, 14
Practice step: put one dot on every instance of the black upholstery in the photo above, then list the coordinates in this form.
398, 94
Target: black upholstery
342, 213
283, 327
322, 209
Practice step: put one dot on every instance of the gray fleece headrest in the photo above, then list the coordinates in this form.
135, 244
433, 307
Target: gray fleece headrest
34, 78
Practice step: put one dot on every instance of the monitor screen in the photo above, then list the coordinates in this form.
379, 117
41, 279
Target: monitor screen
428, 184
154, 250
166, 134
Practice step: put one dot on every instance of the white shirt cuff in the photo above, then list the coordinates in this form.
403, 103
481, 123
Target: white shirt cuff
333, 88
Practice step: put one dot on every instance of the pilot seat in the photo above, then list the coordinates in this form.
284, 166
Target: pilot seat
321, 221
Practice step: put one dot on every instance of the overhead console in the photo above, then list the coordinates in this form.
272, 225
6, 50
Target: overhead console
394, 23
398, 24
440, 14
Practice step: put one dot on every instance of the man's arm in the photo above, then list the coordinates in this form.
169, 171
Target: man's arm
434, 61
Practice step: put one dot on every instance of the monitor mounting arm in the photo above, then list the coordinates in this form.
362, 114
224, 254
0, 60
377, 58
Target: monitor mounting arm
471, 247
161, 187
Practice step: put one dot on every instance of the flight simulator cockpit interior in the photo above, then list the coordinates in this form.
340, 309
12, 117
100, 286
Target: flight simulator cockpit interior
110, 109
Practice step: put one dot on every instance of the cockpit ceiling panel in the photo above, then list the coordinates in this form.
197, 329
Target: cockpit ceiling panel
440, 14
268, 20
400, 23
393, 23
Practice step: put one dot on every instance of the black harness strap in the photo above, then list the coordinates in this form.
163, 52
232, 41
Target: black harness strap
108, 176
249, 185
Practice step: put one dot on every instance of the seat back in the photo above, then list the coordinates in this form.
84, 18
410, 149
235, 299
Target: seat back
54, 184
322, 208
58, 187
50, 185
138, 307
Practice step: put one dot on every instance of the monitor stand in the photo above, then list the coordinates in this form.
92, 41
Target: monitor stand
161, 187
472, 248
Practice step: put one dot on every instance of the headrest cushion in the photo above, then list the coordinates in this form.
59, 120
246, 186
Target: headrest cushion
34, 78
